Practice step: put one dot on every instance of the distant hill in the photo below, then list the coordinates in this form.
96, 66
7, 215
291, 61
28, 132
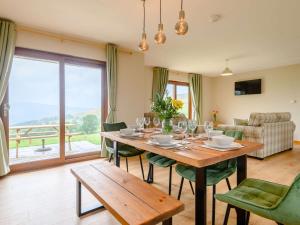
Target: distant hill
34, 113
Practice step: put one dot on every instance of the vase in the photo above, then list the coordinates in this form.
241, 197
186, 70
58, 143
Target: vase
167, 126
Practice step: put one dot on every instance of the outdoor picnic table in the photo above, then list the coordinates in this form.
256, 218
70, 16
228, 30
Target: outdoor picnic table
25, 133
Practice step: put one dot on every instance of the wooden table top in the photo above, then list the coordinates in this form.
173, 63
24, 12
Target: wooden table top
195, 155
131, 200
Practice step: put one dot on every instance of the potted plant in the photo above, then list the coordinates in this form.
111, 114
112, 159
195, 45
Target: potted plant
166, 108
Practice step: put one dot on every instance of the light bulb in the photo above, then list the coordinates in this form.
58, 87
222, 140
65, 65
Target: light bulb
227, 72
160, 37
143, 45
181, 26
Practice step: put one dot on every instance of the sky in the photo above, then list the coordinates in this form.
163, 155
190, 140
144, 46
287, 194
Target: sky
34, 89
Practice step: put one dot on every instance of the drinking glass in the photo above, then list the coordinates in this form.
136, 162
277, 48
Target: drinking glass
192, 125
208, 126
147, 121
156, 122
182, 127
140, 122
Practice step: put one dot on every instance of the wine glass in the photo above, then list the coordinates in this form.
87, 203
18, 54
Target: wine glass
208, 126
147, 121
182, 127
140, 122
192, 125
156, 122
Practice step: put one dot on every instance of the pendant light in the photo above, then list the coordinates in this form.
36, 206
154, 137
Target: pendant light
160, 37
143, 45
181, 26
227, 71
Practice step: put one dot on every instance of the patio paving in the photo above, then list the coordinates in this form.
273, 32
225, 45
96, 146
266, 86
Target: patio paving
29, 154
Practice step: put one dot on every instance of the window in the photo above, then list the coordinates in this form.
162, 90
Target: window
57, 104
181, 91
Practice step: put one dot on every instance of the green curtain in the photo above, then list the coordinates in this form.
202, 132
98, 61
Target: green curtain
160, 81
195, 83
112, 75
7, 49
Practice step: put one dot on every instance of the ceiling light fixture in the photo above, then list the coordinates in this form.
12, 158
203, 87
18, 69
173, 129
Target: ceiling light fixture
143, 45
160, 37
181, 26
227, 71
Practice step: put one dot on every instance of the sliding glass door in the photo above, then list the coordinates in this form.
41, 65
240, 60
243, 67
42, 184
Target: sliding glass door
34, 110
57, 104
83, 114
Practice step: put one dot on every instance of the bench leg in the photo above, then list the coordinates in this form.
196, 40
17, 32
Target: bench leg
78, 202
167, 222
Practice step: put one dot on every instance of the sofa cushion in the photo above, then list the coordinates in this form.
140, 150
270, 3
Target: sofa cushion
258, 119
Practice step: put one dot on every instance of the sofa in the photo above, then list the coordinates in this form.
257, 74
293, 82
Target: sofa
274, 130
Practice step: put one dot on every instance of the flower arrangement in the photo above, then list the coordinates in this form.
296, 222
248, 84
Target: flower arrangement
166, 108
214, 115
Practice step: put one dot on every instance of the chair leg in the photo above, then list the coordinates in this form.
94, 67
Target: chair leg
247, 218
142, 167
126, 164
213, 205
227, 215
228, 184
170, 181
150, 174
180, 188
191, 185
110, 157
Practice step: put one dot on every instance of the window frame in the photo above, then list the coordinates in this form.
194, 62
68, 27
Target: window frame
174, 94
62, 60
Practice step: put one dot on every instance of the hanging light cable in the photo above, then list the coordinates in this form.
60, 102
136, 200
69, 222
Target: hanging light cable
181, 26
143, 45
160, 37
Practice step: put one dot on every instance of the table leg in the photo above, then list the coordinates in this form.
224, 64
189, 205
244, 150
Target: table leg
241, 175
116, 155
200, 197
167, 222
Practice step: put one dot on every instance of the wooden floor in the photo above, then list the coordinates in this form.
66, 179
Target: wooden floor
47, 197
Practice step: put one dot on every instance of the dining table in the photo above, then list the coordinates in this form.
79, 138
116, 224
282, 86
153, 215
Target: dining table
193, 154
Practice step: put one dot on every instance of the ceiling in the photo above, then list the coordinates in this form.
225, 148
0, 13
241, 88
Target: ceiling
253, 34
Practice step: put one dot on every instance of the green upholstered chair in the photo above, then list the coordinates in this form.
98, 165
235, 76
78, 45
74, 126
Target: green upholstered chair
124, 150
160, 161
214, 173
273, 201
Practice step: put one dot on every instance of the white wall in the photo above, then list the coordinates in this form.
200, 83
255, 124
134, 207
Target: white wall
279, 87
132, 79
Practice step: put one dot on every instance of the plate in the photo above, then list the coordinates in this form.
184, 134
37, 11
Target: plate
213, 145
171, 144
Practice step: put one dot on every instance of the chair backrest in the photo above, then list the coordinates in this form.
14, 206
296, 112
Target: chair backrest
238, 135
231, 163
112, 127
287, 211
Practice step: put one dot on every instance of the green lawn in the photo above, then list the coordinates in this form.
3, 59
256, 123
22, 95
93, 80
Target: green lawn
93, 138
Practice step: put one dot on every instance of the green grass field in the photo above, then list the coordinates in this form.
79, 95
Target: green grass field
93, 138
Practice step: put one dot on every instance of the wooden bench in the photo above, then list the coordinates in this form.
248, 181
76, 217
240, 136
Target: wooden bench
129, 199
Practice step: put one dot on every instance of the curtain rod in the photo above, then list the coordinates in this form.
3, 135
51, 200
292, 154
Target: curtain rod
69, 38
